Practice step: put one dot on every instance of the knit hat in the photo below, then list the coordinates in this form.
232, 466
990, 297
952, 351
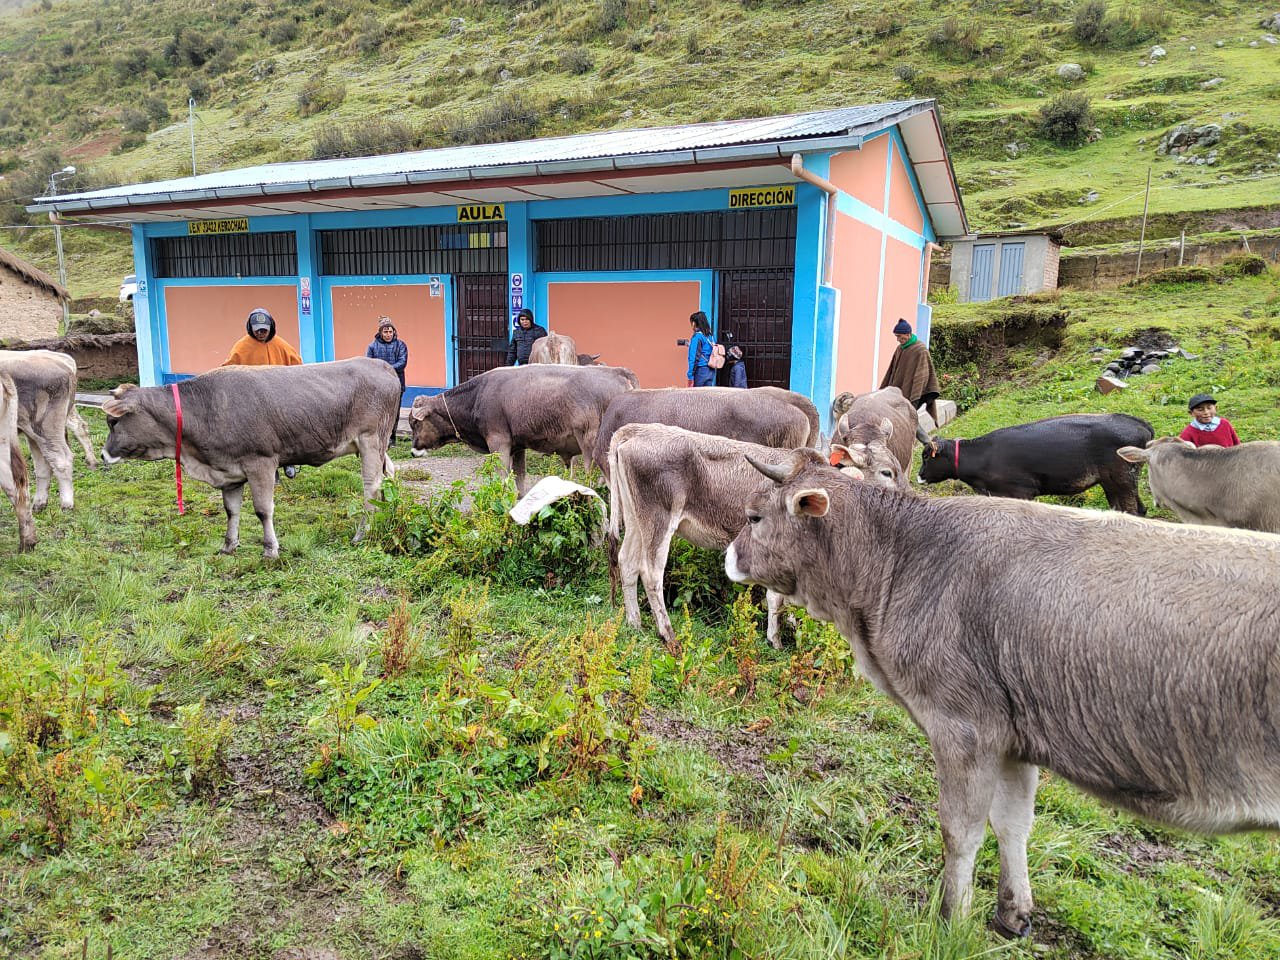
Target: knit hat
902, 327
384, 322
1198, 399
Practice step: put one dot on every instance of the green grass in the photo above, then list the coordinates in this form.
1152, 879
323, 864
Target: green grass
780, 782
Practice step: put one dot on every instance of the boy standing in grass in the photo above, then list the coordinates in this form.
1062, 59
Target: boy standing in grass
1206, 428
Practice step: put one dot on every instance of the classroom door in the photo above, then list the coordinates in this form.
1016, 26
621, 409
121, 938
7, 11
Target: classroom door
483, 330
755, 314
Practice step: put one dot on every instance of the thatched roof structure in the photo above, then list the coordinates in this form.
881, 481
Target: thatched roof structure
34, 274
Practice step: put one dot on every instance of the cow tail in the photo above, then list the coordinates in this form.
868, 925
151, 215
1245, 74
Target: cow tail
618, 493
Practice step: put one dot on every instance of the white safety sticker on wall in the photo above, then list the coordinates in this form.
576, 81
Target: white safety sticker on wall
436, 286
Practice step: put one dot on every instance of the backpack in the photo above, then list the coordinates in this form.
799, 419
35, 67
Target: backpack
716, 360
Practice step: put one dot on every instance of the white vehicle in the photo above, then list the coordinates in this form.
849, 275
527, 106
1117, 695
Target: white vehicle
128, 287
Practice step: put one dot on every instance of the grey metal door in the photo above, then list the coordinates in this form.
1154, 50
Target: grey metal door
1010, 269
984, 255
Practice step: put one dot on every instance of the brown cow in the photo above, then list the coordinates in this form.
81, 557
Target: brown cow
887, 410
46, 383
554, 348
1217, 486
548, 408
1070, 639
769, 416
241, 423
666, 481
13, 465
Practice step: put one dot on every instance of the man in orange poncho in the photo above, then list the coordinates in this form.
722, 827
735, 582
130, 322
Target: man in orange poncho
260, 347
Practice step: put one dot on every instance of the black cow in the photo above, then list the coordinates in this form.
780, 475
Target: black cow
1052, 457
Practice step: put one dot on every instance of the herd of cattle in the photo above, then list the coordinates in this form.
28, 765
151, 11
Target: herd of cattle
1138, 659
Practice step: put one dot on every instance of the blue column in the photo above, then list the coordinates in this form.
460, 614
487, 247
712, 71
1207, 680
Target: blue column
315, 331
520, 259
148, 323
811, 354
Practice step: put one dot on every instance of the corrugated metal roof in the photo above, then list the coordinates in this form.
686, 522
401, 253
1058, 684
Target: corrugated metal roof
580, 152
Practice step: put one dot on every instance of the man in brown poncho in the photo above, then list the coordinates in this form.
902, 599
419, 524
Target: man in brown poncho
911, 370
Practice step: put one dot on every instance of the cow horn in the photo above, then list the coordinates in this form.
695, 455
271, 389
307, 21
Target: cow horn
775, 472
922, 435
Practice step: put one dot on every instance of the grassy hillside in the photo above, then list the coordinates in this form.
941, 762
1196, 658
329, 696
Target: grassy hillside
105, 85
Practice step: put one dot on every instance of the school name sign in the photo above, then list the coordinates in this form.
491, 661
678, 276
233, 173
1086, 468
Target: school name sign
203, 228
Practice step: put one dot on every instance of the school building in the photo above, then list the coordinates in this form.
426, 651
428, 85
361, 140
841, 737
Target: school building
804, 238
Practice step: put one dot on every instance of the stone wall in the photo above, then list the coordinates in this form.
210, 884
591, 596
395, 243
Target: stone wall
27, 310
1094, 272
109, 356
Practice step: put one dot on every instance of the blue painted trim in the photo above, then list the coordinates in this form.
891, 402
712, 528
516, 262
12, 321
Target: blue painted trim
284, 223
520, 260
311, 325
416, 217
450, 361
618, 206
826, 325
705, 279
148, 321
900, 149
853, 207
809, 354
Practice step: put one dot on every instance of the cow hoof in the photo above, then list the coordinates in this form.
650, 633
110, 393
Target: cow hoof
229, 548
38, 507
999, 927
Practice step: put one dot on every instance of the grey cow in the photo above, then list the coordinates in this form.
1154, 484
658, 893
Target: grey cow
666, 482
1218, 486
548, 408
554, 348
769, 416
46, 383
240, 424
13, 465
886, 411
1052, 637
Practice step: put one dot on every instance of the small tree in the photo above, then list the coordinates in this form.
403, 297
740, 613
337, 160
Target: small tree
1067, 119
1090, 23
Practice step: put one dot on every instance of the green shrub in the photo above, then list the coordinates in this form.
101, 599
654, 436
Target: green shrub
364, 138
957, 39
1067, 119
576, 60
611, 15
319, 94
1244, 265
1088, 25
134, 120
281, 33
508, 117
157, 109
1093, 26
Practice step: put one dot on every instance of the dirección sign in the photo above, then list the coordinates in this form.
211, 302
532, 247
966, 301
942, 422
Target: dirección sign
762, 197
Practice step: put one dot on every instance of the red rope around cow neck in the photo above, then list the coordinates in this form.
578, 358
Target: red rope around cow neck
177, 459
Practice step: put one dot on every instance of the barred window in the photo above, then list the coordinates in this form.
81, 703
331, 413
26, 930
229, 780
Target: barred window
452, 248
227, 255
711, 240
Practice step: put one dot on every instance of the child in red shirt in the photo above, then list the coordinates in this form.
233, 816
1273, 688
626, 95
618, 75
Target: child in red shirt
1206, 428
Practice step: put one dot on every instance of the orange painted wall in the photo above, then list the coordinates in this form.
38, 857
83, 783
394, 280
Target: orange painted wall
902, 199
419, 319
860, 173
629, 324
901, 289
204, 322
856, 272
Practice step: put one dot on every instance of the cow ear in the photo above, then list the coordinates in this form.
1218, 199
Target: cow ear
1134, 454
842, 459
119, 406
122, 389
813, 502
417, 412
886, 427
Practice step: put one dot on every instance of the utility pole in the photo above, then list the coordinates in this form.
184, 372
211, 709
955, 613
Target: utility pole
57, 239
191, 126
1143, 235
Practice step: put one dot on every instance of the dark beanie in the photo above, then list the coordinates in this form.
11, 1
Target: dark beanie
902, 327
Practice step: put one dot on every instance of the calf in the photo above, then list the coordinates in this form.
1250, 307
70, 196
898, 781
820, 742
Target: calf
768, 416
666, 481
1218, 486
1070, 639
240, 423
1056, 456
13, 465
46, 384
544, 407
886, 409
554, 348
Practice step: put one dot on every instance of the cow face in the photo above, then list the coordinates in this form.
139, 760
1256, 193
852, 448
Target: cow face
133, 433
866, 447
937, 461
780, 538
430, 422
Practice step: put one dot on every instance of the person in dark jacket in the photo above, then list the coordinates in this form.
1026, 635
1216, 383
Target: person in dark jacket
388, 346
522, 338
911, 370
698, 373
736, 367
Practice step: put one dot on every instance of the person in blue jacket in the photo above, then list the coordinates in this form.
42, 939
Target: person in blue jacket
699, 374
736, 365
388, 346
